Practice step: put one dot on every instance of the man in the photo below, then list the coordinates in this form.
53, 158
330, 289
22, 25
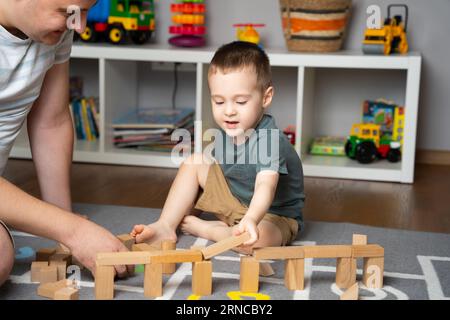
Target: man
35, 46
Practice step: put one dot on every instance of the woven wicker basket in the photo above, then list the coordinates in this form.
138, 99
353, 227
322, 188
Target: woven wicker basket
314, 25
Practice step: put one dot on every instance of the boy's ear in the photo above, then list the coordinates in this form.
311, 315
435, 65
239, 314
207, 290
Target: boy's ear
268, 95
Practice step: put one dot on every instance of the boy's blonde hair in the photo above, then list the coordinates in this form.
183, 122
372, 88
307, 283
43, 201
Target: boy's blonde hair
238, 55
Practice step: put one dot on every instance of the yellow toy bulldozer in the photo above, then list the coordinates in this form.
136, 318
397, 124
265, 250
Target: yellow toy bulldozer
389, 39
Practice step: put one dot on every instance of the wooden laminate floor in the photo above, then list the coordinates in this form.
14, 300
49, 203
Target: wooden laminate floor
423, 206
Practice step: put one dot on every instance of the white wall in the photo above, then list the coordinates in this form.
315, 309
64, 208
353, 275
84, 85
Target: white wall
428, 33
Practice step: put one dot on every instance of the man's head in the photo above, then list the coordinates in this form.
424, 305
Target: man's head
41, 20
241, 89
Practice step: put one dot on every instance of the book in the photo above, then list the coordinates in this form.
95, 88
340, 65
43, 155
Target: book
154, 118
380, 112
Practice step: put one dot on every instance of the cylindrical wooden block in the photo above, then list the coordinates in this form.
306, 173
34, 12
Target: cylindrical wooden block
153, 280
249, 278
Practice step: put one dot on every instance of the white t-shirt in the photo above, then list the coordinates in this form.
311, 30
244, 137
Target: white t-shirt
23, 65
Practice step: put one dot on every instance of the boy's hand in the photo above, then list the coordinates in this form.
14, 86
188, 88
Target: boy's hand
248, 224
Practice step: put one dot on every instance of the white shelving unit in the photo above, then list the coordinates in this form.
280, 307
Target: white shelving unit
122, 78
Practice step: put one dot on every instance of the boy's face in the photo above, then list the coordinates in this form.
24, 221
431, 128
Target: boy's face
46, 20
238, 103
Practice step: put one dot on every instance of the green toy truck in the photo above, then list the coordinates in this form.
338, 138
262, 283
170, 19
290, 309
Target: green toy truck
365, 144
119, 20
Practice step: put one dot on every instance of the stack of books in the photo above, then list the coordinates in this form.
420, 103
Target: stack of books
85, 118
151, 129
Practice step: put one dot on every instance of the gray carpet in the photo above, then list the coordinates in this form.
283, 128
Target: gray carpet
417, 264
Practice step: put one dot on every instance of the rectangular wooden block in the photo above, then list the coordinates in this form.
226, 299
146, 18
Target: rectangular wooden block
127, 240
153, 278
66, 294
202, 278
48, 274
104, 282
36, 268
142, 247
44, 254
169, 268
249, 275
61, 267
61, 256
47, 290
177, 256
265, 269
351, 293
373, 272
123, 258
367, 251
225, 245
279, 253
328, 251
359, 239
345, 272
294, 274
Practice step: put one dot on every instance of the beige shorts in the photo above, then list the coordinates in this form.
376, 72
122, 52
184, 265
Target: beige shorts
2, 224
217, 198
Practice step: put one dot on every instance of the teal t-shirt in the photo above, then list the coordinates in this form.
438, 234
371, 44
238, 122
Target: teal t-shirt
267, 148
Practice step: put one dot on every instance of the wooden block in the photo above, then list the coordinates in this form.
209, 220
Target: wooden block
328, 251
202, 278
123, 258
36, 268
153, 278
367, 251
169, 268
61, 267
45, 254
294, 274
48, 274
47, 290
279, 253
225, 245
127, 240
67, 293
345, 272
351, 293
373, 271
61, 256
104, 282
177, 256
249, 276
142, 247
62, 249
359, 239
265, 269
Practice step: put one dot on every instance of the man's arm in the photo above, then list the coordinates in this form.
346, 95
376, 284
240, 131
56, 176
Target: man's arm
51, 137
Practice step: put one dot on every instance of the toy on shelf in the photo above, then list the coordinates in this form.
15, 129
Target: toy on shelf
290, 134
190, 27
391, 38
365, 144
119, 20
388, 115
247, 32
328, 145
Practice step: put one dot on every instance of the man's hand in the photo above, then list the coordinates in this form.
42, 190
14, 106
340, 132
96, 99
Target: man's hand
248, 224
89, 239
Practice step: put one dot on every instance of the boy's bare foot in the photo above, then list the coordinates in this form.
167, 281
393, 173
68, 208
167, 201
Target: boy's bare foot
198, 227
153, 233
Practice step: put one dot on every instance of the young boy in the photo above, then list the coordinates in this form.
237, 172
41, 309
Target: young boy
264, 198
